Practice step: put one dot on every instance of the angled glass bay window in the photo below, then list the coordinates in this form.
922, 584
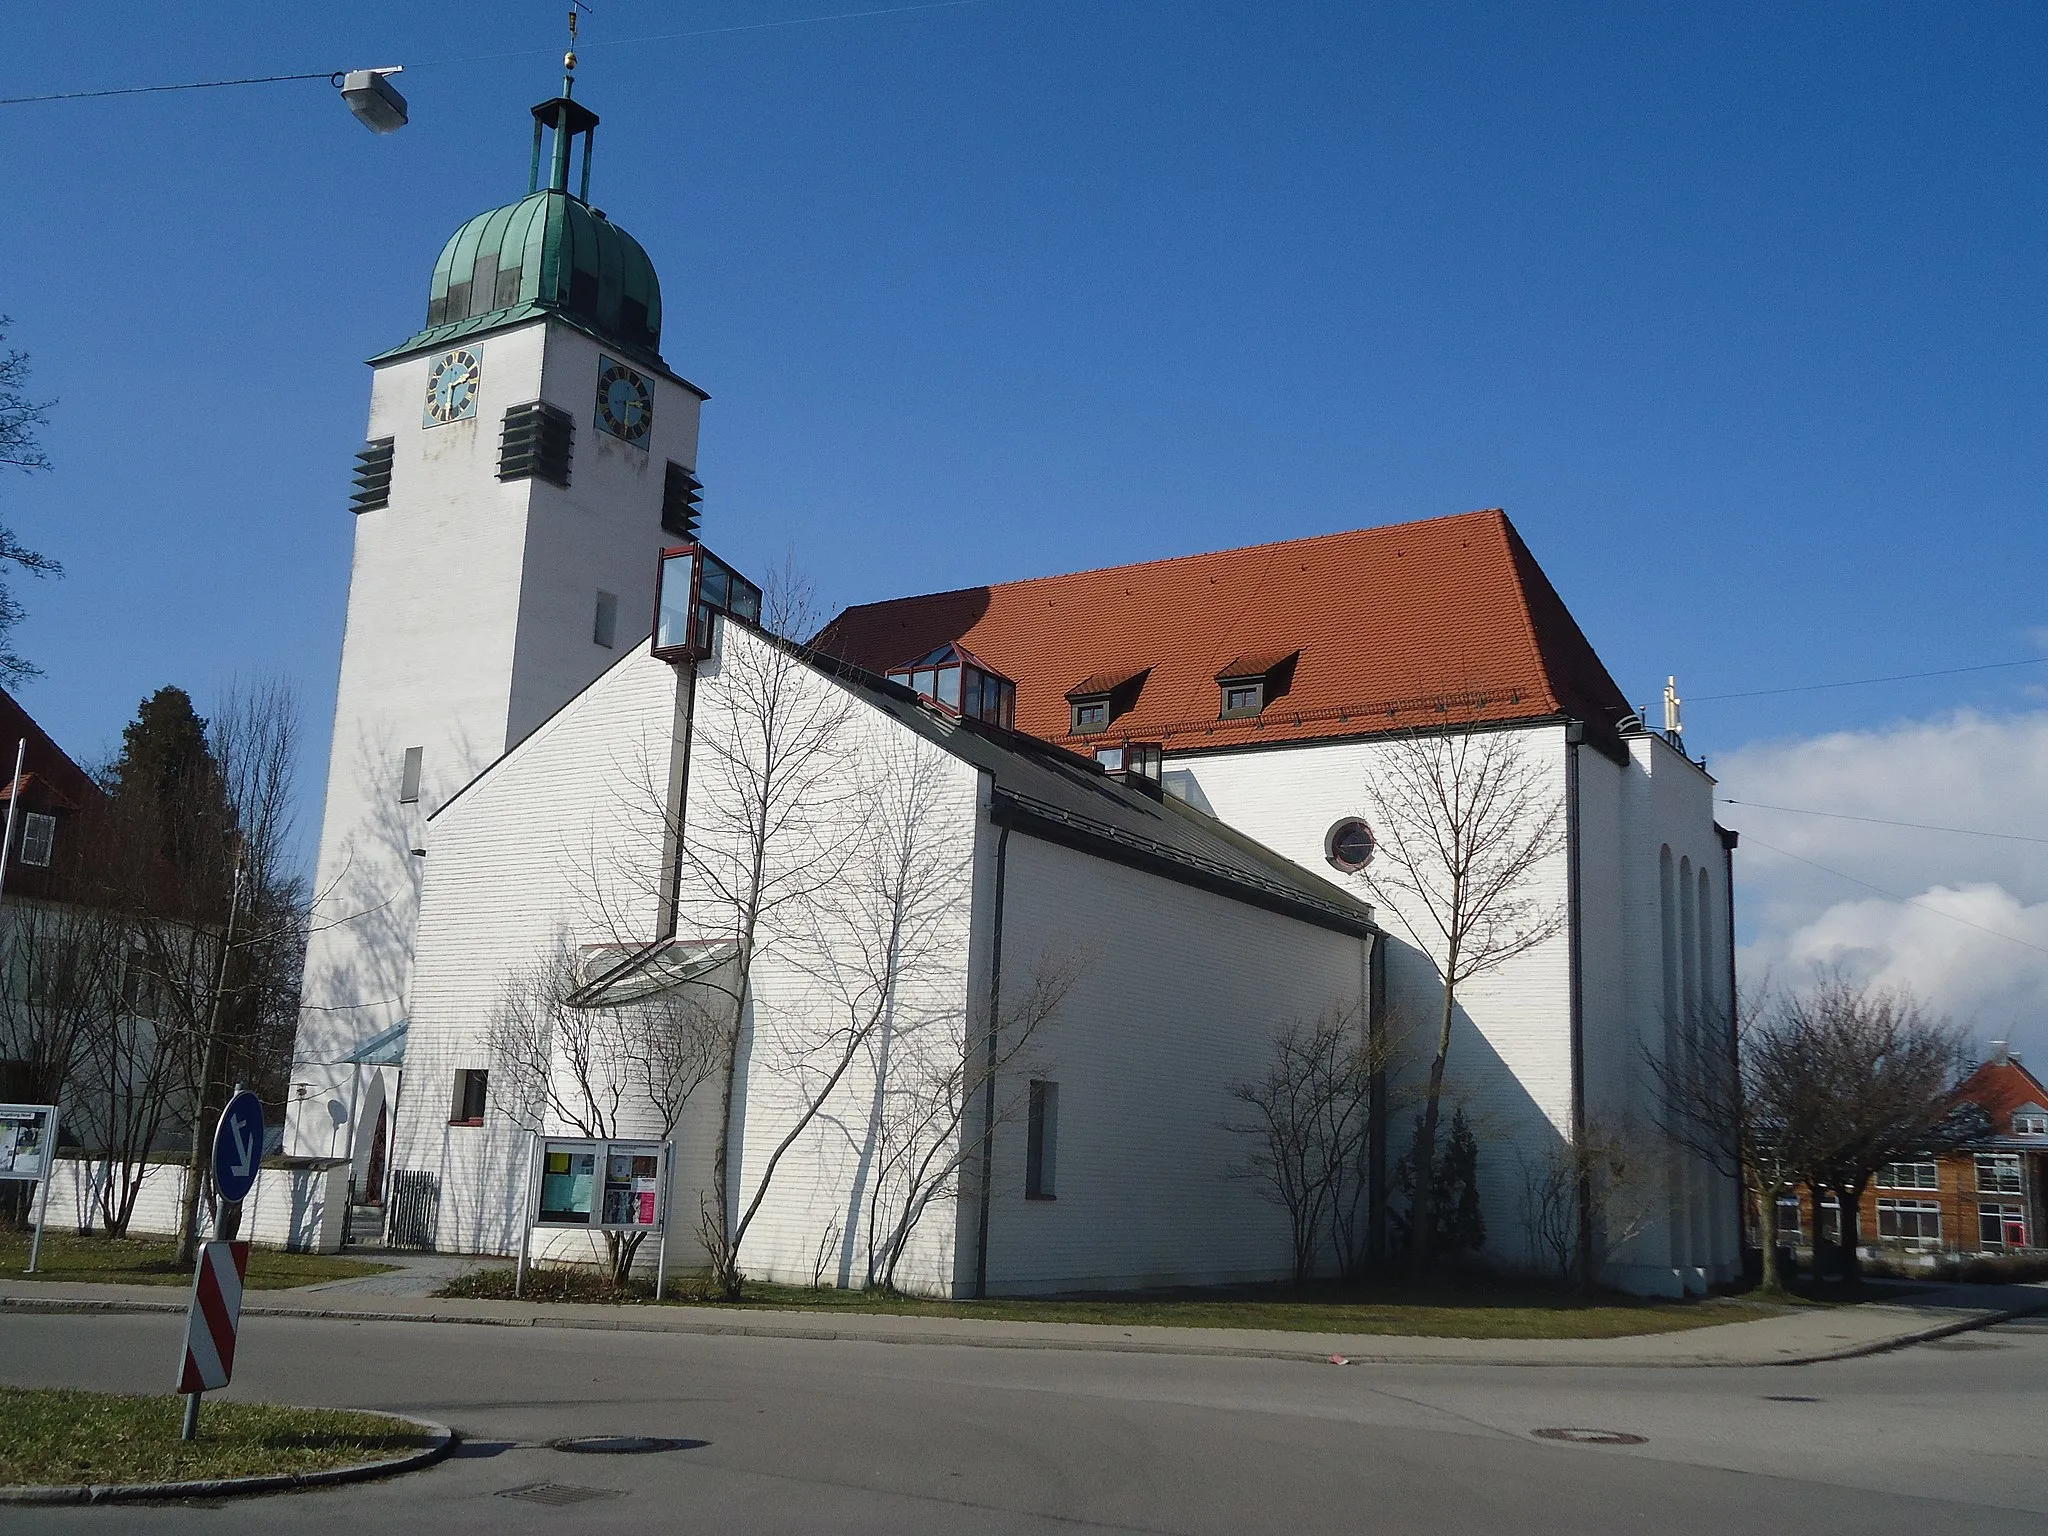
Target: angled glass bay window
692, 587
959, 682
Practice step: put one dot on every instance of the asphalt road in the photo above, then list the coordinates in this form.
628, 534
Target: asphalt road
1950, 1437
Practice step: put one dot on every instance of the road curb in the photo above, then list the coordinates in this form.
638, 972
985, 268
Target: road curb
224, 1487
711, 1327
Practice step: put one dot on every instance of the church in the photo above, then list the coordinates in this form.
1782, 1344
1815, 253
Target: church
967, 917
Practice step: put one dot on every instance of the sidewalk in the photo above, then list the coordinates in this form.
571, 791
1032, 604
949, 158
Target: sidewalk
1797, 1338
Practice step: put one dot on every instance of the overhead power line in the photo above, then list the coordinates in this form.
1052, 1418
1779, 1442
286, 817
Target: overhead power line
1910, 901
1879, 821
1864, 682
188, 85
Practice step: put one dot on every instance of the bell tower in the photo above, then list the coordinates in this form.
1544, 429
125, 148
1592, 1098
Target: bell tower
529, 453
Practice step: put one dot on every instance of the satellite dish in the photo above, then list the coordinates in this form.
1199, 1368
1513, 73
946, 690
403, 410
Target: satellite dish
373, 98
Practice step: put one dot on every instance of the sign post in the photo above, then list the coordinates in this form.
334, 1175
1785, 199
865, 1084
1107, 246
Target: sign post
28, 1151
216, 1311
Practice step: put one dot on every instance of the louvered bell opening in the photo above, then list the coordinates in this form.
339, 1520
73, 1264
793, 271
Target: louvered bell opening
681, 495
372, 477
536, 443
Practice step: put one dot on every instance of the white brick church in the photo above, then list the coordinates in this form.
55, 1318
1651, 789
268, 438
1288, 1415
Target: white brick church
1133, 799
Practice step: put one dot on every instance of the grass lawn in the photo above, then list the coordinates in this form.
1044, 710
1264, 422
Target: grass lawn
1454, 1308
154, 1261
50, 1437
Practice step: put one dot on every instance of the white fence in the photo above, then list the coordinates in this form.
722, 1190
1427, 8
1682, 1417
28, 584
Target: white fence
300, 1206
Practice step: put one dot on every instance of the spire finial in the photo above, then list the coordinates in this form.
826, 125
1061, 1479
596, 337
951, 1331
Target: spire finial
569, 57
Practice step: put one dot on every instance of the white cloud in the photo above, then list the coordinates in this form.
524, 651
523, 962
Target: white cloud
1973, 938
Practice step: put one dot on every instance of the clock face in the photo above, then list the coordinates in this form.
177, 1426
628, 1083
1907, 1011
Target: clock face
451, 386
625, 405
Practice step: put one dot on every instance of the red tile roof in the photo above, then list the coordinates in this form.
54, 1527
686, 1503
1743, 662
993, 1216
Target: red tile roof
2001, 1086
1395, 626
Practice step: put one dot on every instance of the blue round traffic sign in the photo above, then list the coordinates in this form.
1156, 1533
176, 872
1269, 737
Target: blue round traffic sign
238, 1146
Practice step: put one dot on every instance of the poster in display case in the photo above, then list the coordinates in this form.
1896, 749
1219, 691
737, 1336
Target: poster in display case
599, 1186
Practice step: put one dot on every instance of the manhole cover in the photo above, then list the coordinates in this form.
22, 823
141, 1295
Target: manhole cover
558, 1493
622, 1445
1589, 1436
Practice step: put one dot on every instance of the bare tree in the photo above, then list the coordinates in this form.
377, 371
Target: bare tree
1306, 1122
926, 1089
1590, 1194
1847, 1077
20, 448
574, 1059
1463, 820
129, 1083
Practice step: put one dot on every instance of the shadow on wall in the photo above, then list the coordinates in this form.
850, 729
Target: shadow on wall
1520, 1145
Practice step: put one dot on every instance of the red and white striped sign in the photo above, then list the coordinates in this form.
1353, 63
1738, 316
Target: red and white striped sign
216, 1313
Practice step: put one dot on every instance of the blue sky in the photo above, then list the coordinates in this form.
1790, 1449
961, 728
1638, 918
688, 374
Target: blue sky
1739, 311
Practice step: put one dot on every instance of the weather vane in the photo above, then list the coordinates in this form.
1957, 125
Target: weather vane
569, 58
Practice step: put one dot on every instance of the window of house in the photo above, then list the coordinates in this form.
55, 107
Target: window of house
1791, 1219
604, 628
1909, 1176
138, 986
2001, 1226
38, 837
1242, 699
2030, 1122
409, 777
1998, 1173
1042, 1134
468, 1108
1909, 1221
1349, 845
1090, 716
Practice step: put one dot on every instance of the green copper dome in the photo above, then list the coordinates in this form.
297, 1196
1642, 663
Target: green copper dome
548, 253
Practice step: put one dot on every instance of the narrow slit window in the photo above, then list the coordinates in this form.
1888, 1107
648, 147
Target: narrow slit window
1041, 1152
604, 628
409, 777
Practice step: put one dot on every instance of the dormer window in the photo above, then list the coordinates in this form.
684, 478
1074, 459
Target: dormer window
958, 681
1251, 682
1140, 759
1098, 699
2031, 1121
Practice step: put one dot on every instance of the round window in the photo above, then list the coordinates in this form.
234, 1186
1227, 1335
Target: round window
1349, 845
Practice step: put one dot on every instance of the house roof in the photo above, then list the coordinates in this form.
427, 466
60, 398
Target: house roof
1394, 626
2001, 1086
50, 780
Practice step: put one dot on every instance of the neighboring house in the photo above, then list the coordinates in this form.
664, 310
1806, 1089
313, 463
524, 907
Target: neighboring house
52, 800
1187, 946
1990, 1197
530, 452
1270, 680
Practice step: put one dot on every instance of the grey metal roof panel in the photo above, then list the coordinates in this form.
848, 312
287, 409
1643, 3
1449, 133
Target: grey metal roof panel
1053, 792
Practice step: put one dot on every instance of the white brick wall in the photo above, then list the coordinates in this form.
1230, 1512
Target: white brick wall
300, 1208
1180, 993
1510, 1060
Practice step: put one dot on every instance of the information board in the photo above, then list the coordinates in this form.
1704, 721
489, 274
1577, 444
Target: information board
25, 1140
599, 1186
